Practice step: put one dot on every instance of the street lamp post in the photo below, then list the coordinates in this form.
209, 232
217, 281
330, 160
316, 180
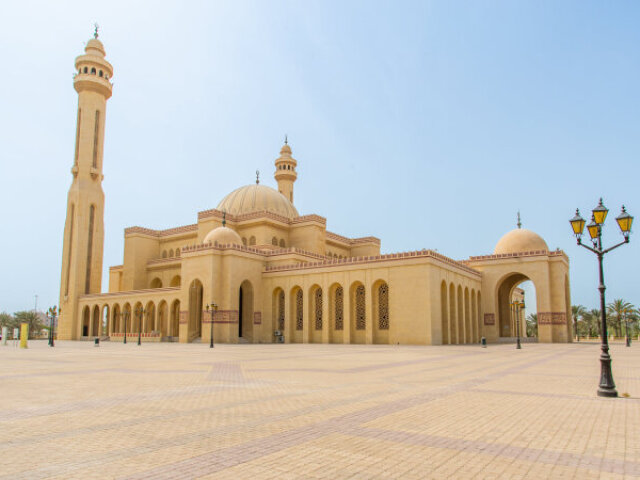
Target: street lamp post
125, 315
626, 329
214, 308
140, 311
52, 312
517, 308
599, 214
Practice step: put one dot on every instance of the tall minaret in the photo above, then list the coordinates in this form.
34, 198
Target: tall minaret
286, 171
84, 226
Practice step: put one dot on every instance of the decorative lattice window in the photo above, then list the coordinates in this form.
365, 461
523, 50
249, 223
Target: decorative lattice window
274, 241
281, 311
339, 312
299, 305
361, 318
318, 305
383, 307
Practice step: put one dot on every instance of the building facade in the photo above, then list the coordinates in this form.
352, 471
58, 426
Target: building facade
275, 275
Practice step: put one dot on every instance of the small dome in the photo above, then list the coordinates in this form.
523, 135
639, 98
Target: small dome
285, 150
222, 236
520, 240
257, 198
95, 47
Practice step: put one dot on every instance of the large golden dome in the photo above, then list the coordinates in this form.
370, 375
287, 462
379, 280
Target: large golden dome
257, 198
520, 240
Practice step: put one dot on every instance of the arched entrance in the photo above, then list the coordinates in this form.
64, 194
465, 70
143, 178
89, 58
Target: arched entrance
116, 320
95, 322
195, 310
174, 325
245, 311
105, 321
516, 288
296, 324
277, 311
86, 314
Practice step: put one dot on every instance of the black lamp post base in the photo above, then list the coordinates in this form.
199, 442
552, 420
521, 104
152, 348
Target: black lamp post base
607, 392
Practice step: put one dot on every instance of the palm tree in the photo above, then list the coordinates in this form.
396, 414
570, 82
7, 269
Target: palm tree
532, 325
618, 311
592, 318
577, 312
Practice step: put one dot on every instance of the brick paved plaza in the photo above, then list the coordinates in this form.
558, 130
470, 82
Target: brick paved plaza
177, 411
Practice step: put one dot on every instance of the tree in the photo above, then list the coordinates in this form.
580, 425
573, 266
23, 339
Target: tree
30, 317
577, 313
617, 313
532, 325
7, 320
592, 320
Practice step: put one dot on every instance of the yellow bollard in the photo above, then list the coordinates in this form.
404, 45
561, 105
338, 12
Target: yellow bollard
24, 334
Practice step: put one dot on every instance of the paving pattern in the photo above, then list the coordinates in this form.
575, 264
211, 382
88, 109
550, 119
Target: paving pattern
174, 411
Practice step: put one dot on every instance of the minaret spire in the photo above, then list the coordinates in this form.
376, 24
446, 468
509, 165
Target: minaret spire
519, 222
286, 173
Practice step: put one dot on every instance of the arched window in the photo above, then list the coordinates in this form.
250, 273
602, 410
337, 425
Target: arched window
274, 241
252, 240
339, 309
156, 283
318, 308
383, 307
282, 244
299, 306
281, 311
178, 252
171, 253
360, 308
100, 73
244, 241
164, 254
86, 69
93, 70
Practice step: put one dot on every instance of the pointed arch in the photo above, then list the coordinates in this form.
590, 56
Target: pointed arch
277, 310
336, 313
467, 319
195, 309
380, 309
358, 314
444, 313
246, 310
296, 314
315, 313
174, 325
453, 315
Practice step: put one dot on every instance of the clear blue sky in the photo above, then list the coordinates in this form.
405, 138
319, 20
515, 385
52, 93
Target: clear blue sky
427, 124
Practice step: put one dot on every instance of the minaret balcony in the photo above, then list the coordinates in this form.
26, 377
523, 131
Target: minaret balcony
88, 81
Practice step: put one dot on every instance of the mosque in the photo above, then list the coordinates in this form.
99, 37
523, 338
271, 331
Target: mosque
254, 270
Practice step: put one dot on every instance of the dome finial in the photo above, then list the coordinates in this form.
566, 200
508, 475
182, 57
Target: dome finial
286, 140
224, 218
257, 177
95, 31
519, 222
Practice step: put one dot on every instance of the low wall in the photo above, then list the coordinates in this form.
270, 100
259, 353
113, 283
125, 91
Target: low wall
133, 337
